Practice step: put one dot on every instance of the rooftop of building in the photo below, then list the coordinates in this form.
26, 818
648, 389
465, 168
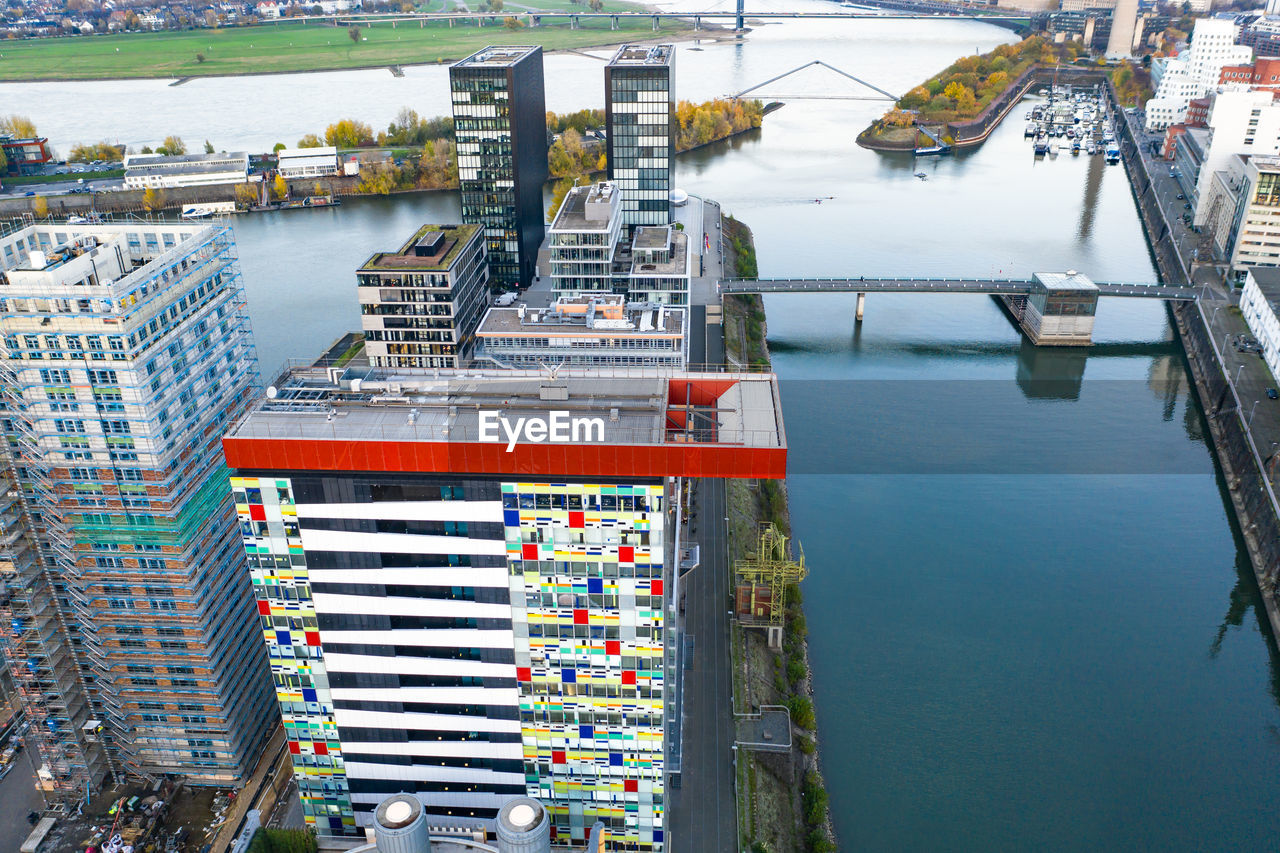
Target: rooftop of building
652, 237
383, 419
59, 243
677, 262
644, 54
587, 208
497, 56
1268, 280
1065, 281
602, 315
323, 151
1265, 163
133, 161
432, 248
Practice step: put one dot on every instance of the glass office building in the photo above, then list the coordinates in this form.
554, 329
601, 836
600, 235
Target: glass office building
640, 125
500, 124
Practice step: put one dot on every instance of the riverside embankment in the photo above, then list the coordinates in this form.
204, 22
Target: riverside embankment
782, 798
1252, 495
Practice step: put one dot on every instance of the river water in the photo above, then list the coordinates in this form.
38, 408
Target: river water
1032, 622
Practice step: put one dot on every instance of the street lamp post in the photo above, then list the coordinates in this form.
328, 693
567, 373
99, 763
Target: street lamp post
1251, 411
1238, 371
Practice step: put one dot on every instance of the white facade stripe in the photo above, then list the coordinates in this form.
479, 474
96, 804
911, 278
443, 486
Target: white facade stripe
417, 666
408, 510
399, 543
421, 722
443, 695
423, 576
401, 772
450, 638
441, 748
367, 605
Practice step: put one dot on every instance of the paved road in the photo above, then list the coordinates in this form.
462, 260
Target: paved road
703, 812
18, 796
62, 187
1190, 245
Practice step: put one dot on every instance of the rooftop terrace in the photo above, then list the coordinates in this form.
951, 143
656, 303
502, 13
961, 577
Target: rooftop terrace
496, 56
432, 248
643, 54
653, 422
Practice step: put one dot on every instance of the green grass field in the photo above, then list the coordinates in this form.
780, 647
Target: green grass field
276, 48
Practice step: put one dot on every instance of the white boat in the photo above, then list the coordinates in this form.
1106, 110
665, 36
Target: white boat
1053, 149
1030, 130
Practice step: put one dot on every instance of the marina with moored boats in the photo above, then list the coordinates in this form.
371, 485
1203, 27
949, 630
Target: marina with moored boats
1078, 121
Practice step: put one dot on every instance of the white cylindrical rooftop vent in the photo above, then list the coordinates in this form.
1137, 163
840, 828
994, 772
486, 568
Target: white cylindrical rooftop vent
400, 826
524, 827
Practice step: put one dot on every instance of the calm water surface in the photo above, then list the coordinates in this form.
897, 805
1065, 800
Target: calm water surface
1016, 645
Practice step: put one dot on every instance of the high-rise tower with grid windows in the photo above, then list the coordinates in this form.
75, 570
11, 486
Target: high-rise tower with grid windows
127, 618
500, 124
486, 620
639, 98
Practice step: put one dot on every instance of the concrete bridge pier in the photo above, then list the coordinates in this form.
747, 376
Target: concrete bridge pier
613, 23
697, 23
655, 23
862, 303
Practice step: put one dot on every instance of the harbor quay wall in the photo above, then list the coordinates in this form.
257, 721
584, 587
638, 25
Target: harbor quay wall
1252, 498
132, 201
975, 130
967, 133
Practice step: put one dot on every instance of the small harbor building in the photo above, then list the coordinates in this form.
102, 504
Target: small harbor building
160, 171
420, 305
307, 162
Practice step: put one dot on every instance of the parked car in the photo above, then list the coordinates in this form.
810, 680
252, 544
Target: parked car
1187, 206
29, 193
1181, 197
1272, 395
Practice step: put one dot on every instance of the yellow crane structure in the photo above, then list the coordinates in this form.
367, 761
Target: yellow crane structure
760, 582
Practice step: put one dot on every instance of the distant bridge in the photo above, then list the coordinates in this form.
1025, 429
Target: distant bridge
993, 286
534, 16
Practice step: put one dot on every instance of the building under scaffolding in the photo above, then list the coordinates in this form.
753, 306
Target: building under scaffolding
761, 580
126, 613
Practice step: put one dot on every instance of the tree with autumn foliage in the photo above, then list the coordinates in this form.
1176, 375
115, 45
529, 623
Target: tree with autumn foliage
348, 133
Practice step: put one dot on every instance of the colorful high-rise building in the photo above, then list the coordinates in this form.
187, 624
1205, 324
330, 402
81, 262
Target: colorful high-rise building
467, 581
500, 125
639, 98
128, 621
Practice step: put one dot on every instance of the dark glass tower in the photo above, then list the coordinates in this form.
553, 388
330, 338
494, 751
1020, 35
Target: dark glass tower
500, 122
640, 120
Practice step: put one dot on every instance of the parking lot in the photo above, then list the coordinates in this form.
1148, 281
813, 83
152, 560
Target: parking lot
80, 177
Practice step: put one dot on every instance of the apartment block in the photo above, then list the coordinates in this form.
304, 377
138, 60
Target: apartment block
126, 353
500, 125
472, 619
1195, 71
419, 306
640, 110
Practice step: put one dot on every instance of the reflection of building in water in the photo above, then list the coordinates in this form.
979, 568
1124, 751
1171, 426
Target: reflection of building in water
1166, 378
1051, 373
1092, 188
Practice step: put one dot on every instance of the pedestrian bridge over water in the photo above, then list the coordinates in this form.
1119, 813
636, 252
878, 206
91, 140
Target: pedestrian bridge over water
994, 286
1055, 309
